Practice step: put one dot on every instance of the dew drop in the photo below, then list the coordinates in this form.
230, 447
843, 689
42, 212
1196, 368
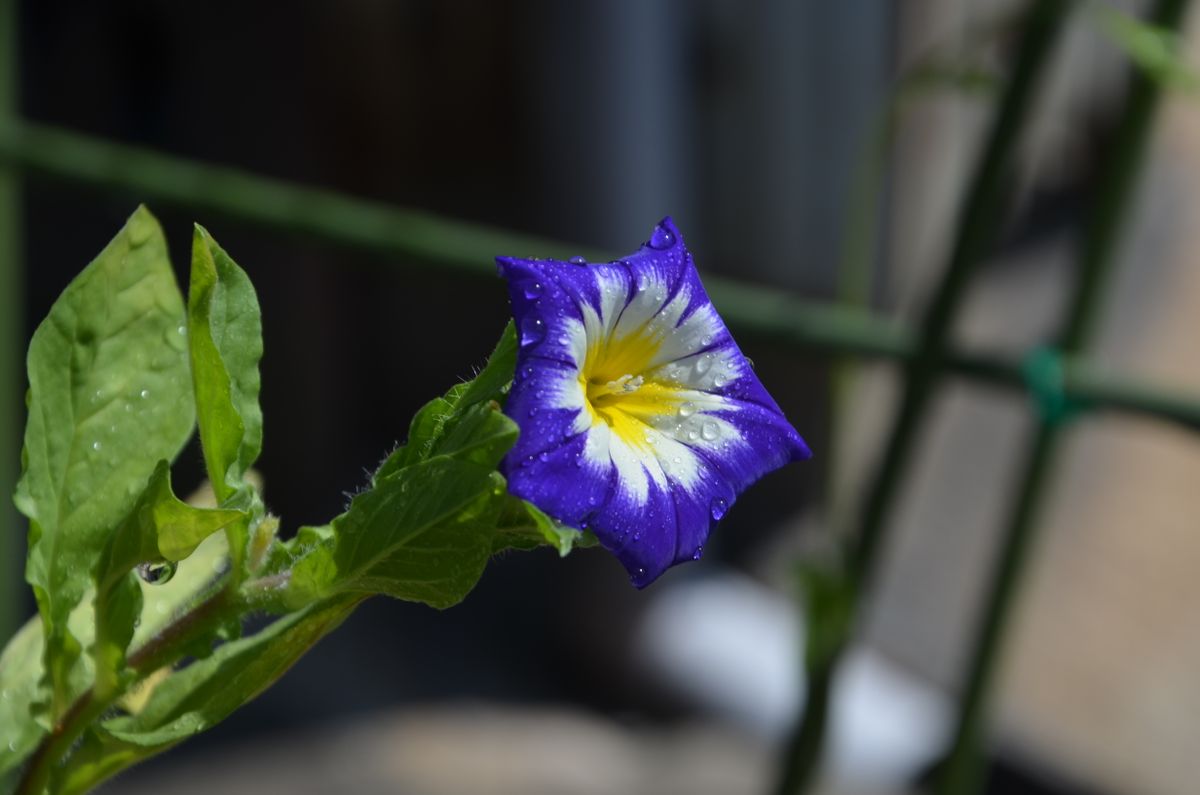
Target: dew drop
641, 572
703, 364
140, 230
156, 572
533, 330
720, 380
177, 338
5, 695
577, 260
699, 551
687, 409
533, 290
544, 456
692, 435
710, 431
145, 393
12, 746
96, 445
97, 396
662, 238
650, 438
718, 508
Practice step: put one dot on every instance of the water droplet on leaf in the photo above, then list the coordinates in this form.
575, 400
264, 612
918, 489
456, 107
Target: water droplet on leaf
177, 338
145, 393
156, 572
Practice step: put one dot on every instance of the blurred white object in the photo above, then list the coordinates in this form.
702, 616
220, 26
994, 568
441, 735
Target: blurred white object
734, 648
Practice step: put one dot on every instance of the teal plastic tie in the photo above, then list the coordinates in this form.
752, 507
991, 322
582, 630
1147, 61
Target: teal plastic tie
1045, 379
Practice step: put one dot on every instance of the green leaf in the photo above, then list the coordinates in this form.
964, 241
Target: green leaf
159, 528
20, 671
481, 434
199, 696
441, 415
493, 380
21, 661
426, 426
225, 333
422, 534
524, 526
109, 397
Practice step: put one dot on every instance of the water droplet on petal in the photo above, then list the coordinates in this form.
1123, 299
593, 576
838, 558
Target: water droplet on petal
156, 572
710, 431
687, 409
720, 380
533, 290
699, 551
577, 260
692, 435
533, 330
544, 456
641, 572
718, 508
703, 364
662, 238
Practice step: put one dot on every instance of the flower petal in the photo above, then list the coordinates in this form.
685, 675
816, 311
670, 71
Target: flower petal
640, 418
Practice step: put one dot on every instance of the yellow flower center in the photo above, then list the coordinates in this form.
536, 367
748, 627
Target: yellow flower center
620, 394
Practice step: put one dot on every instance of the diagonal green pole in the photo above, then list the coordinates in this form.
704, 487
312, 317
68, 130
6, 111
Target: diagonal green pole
962, 773
12, 546
975, 231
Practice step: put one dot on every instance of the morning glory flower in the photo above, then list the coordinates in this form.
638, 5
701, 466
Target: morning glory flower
640, 418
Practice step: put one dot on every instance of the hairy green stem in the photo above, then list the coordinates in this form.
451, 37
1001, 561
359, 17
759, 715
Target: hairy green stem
975, 231
962, 772
163, 649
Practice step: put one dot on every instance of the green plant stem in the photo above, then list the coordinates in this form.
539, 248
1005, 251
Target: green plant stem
962, 772
975, 231
165, 648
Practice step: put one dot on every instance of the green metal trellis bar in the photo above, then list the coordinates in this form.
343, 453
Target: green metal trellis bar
11, 548
767, 314
962, 772
976, 226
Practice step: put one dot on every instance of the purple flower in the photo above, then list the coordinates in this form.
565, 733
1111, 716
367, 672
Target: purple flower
640, 418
